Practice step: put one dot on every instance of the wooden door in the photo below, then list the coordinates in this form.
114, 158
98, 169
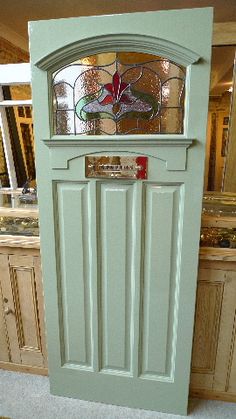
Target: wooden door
23, 309
213, 358
120, 107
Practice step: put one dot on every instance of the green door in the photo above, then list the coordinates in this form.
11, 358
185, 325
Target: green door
120, 108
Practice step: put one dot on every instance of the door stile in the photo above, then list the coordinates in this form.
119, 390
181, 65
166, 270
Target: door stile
92, 216
136, 279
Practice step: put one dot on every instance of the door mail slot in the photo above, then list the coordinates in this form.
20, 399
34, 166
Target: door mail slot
125, 167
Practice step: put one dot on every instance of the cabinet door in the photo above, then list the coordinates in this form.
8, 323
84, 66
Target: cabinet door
214, 330
23, 308
4, 348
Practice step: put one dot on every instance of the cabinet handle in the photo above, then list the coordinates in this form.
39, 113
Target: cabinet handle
7, 310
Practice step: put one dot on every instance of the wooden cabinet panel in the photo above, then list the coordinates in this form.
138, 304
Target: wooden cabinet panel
9, 309
40, 307
208, 308
4, 349
213, 356
223, 359
23, 309
232, 373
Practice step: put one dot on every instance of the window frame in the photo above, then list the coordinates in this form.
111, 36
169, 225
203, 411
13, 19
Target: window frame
10, 75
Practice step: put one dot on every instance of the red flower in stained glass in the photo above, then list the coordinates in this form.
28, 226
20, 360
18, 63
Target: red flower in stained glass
116, 91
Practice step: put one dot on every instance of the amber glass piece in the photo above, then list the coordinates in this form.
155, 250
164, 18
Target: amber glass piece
171, 120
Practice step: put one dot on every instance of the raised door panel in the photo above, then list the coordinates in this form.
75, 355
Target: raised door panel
72, 216
214, 321
160, 276
206, 332
10, 319
226, 334
26, 311
20, 281
116, 241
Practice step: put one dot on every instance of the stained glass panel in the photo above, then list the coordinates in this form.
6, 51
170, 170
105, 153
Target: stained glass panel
119, 93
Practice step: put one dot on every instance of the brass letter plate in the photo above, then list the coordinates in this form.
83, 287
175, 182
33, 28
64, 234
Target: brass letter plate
116, 167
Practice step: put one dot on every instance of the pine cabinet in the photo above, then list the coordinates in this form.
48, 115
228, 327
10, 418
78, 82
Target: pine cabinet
214, 345
22, 335
22, 343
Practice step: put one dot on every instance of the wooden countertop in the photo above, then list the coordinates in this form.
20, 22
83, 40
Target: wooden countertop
217, 253
19, 212
20, 241
220, 222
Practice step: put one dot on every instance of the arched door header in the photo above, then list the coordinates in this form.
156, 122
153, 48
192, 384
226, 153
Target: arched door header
119, 42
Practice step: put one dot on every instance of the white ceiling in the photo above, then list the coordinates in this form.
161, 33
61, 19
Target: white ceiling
15, 14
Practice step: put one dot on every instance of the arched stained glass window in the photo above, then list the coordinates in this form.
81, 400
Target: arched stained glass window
119, 93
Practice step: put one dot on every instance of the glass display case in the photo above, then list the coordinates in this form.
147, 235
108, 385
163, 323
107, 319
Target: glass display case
218, 220
19, 216
19, 213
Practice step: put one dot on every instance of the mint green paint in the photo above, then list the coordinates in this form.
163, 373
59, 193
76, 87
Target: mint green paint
116, 240
160, 279
120, 257
73, 227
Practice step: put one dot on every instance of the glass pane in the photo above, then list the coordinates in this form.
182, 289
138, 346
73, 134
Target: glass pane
119, 93
20, 124
18, 199
19, 226
171, 120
